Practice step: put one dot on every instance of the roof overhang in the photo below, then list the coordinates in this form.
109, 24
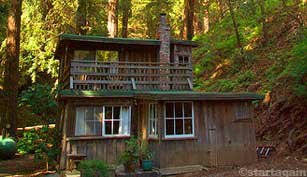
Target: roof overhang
160, 95
89, 39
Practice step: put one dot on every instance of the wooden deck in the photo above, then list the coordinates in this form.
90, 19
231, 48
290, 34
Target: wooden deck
93, 75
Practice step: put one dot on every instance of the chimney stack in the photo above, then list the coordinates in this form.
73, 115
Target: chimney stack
164, 37
164, 54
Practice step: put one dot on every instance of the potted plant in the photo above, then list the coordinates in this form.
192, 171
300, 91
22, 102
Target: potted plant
146, 156
130, 155
93, 168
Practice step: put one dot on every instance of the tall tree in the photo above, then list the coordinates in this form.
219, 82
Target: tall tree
126, 13
11, 75
188, 30
263, 21
112, 18
235, 26
81, 17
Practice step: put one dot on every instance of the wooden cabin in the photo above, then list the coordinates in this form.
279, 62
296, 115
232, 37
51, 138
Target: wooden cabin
115, 88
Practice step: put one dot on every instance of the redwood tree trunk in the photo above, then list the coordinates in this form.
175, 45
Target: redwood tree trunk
188, 30
81, 17
11, 75
112, 18
126, 8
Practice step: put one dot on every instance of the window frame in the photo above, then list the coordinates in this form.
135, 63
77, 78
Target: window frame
120, 121
174, 118
151, 120
102, 121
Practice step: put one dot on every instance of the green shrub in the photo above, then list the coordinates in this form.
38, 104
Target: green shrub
245, 79
44, 143
26, 144
93, 168
222, 85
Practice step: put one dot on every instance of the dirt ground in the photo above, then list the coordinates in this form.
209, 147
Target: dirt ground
273, 166
20, 165
281, 164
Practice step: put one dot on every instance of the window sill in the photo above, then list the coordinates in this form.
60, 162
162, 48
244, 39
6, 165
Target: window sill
179, 138
153, 138
76, 138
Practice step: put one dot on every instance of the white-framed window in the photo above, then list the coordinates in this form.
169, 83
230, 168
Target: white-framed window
102, 120
178, 119
152, 120
116, 120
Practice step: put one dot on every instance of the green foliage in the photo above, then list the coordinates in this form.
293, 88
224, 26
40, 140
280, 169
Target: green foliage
297, 69
222, 85
131, 152
44, 143
246, 78
144, 152
96, 168
41, 100
26, 144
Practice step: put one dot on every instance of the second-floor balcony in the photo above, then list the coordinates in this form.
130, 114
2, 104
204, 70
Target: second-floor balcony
94, 75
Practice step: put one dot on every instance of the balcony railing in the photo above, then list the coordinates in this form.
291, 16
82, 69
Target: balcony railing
93, 75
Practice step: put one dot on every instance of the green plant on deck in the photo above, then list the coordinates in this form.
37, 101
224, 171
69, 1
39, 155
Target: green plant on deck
131, 152
144, 152
93, 168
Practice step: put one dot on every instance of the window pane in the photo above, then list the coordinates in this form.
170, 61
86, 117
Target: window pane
115, 127
188, 126
97, 128
186, 59
98, 113
108, 112
80, 128
178, 109
107, 56
179, 126
170, 127
108, 127
89, 129
180, 59
89, 113
187, 109
125, 117
169, 109
84, 55
116, 112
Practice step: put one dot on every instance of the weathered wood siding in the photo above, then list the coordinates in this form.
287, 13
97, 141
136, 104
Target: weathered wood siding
220, 138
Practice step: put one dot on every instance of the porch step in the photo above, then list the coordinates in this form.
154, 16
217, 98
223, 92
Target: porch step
181, 170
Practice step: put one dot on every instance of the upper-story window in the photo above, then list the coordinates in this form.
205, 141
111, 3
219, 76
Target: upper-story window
179, 119
84, 54
183, 60
96, 55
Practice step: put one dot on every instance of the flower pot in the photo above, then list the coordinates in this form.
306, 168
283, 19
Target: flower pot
147, 165
130, 166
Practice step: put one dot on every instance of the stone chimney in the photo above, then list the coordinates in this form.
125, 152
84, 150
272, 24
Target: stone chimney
164, 53
164, 37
